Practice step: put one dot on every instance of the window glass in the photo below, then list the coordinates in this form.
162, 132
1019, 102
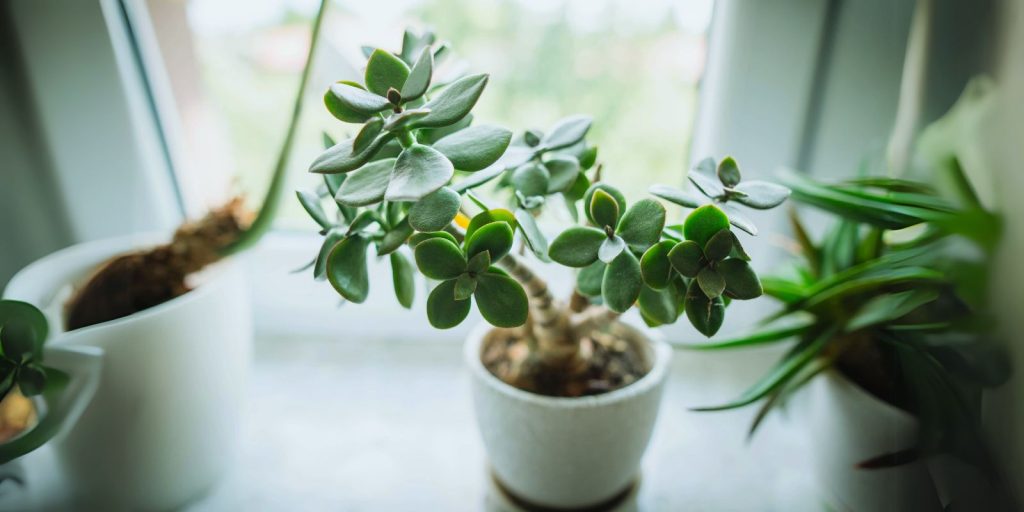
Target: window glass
234, 65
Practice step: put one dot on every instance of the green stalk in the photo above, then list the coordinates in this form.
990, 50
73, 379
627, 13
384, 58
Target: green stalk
272, 201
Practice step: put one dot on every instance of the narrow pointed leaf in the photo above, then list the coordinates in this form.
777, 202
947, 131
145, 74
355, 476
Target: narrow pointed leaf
367, 134
403, 279
419, 76
330, 240
395, 237
889, 307
534, 238
311, 203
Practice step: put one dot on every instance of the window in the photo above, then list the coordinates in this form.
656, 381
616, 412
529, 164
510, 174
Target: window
233, 68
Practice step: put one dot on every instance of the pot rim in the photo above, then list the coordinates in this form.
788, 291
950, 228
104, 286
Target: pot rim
86, 256
661, 356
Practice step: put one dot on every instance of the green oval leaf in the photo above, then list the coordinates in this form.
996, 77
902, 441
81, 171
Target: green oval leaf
367, 185
703, 223
622, 282
729, 172
341, 110
395, 237
531, 179
465, 285
658, 305
738, 219
417, 238
351, 103
495, 238
479, 263
436, 210
501, 300
604, 210
564, 171
566, 132
403, 279
26, 328
614, 192
385, 71
31, 380
641, 226
367, 134
346, 269
720, 245
740, 280
674, 195
711, 282
454, 102
762, 194
341, 158
443, 311
419, 76
588, 281
577, 246
687, 258
484, 218
439, 258
706, 315
474, 148
655, 266
419, 171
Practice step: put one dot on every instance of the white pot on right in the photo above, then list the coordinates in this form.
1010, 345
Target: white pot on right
848, 425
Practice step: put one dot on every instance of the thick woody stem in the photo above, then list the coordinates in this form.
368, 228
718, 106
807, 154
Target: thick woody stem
556, 346
593, 318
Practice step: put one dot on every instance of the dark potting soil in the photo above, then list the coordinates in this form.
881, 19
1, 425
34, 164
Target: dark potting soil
612, 359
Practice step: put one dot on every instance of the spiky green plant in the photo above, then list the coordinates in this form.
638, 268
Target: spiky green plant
407, 178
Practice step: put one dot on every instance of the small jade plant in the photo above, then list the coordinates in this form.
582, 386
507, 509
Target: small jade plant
407, 178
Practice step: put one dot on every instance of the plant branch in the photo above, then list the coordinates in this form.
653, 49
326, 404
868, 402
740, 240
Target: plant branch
550, 324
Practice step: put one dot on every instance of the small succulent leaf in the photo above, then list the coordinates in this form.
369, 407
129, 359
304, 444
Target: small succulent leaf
417, 238
536, 240
341, 110
331, 238
367, 185
454, 102
641, 226
588, 281
479, 263
706, 315
17, 339
367, 134
419, 76
566, 132
622, 282
327, 140
465, 285
403, 279
604, 210
474, 148
31, 380
531, 179
443, 311
385, 71
311, 203
340, 158
720, 245
440, 259
346, 269
740, 280
531, 202
655, 266
738, 219
395, 237
436, 210
762, 194
419, 171
577, 246
400, 121
702, 223
501, 300
497, 271
687, 258
703, 176
604, 187
676, 196
532, 138
711, 282
588, 158
494, 238
484, 218
610, 248
658, 305
355, 99
737, 248
333, 182
729, 172
564, 172
579, 188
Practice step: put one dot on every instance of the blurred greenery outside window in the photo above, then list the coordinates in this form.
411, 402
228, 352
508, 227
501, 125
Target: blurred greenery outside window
634, 65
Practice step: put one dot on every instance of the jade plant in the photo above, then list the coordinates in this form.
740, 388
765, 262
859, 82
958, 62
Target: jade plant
893, 297
407, 180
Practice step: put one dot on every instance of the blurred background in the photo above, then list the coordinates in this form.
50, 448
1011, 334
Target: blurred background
126, 116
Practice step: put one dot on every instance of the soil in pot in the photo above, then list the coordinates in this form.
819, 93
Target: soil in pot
610, 361
139, 280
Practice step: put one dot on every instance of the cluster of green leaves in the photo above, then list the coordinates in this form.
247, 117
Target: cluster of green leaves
629, 256
895, 273
23, 330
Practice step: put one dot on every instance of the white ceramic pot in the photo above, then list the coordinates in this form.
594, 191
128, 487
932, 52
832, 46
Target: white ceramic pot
162, 425
848, 425
566, 452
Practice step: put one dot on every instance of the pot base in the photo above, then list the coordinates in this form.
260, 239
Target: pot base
526, 505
